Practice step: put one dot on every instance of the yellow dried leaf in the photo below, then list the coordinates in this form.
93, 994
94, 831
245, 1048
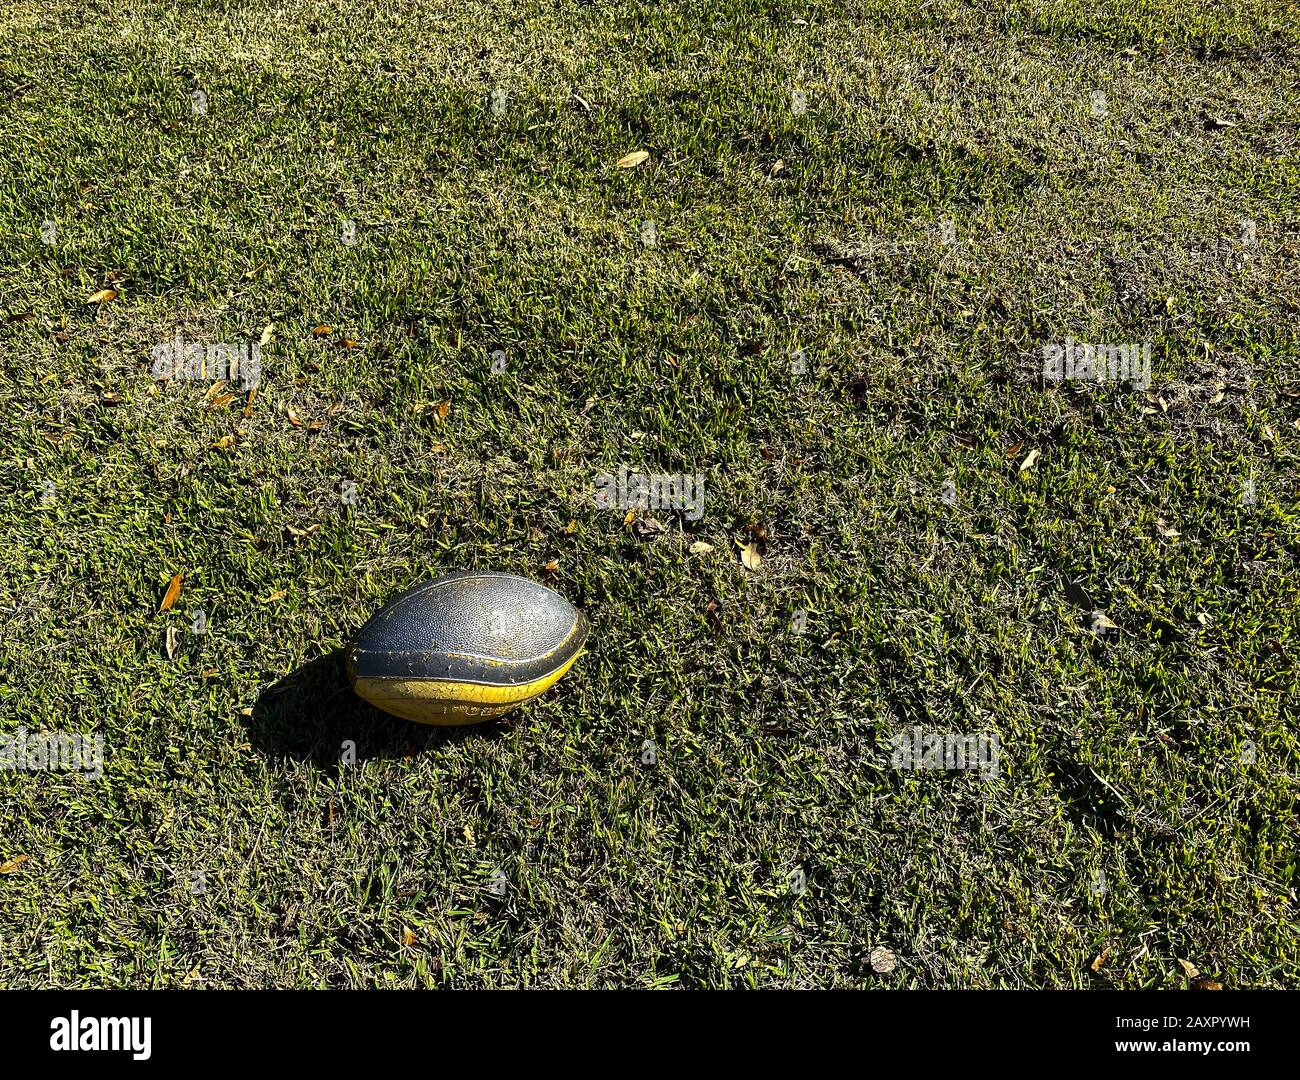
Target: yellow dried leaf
103, 296
10, 865
324, 330
1031, 459
632, 160
750, 557
169, 597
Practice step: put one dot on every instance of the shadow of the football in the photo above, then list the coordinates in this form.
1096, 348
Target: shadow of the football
312, 715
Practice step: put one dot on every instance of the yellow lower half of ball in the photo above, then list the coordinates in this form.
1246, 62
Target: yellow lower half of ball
433, 701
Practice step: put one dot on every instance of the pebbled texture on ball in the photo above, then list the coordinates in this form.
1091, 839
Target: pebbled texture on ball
465, 648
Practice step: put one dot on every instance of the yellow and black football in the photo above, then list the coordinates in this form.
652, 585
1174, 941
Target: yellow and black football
465, 648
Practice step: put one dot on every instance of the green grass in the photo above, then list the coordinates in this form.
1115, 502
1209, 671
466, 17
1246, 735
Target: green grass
1125, 755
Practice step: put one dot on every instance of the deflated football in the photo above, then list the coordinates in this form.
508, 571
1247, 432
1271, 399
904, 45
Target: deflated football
465, 648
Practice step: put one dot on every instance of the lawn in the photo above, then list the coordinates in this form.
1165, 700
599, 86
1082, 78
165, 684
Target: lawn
867, 222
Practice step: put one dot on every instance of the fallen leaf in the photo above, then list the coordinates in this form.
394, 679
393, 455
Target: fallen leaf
1101, 959
571, 528
632, 160
224, 399
582, 101
408, 936
224, 443
323, 330
631, 516
701, 548
102, 297
351, 343
1030, 460
1206, 984
551, 567
10, 865
293, 418
713, 610
276, 596
169, 597
750, 557
648, 526
268, 332
1188, 969
777, 166
1101, 622
1014, 449
171, 641
442, 408
248, 408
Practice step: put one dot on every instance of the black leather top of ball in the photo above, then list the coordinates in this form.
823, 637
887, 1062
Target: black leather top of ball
473, 627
